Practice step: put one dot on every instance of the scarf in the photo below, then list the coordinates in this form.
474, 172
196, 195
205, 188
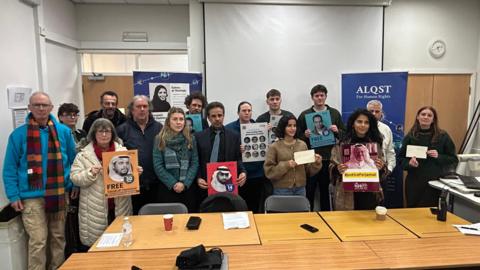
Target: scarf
98, 150
54, 187
176, 155
110, 201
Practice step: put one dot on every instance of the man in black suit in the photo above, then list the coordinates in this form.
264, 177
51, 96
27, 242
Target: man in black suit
228, 147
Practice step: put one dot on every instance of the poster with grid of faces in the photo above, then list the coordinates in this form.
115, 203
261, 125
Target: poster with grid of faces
254, 138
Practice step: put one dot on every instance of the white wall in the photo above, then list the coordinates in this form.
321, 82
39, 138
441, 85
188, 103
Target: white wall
410, 26
107, 22
39, 62
59, 17
18, 66
63, 75
61, 69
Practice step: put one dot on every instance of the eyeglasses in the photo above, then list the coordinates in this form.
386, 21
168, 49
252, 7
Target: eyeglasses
39, 106
70, 115
104, 131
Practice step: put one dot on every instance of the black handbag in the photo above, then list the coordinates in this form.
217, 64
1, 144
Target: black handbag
198, 258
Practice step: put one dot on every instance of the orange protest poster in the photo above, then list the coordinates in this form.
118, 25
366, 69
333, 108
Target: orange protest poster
120, 173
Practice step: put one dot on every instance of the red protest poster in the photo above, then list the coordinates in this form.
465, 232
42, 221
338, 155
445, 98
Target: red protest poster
222, 177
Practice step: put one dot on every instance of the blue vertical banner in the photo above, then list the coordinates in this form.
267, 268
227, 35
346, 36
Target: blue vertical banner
166, 89
390, 89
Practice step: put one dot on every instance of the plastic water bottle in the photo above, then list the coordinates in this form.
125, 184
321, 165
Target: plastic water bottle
127, 232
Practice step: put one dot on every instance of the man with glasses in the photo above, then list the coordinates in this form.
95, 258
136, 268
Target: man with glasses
36, 176
109, 110
139, 132
68, 115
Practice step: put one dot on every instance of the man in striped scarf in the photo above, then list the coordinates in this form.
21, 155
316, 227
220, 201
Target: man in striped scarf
36, 178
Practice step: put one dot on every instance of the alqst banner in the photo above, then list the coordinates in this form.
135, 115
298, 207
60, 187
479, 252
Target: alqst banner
389, 88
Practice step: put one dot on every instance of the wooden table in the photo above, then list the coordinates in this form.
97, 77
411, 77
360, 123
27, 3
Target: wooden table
362, 225
421, 222
274, 228
149, 233
440, 252
352, 255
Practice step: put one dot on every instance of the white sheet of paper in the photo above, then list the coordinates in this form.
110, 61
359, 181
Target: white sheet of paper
416, 151
304, 157
472, 229
110, 240
237, 220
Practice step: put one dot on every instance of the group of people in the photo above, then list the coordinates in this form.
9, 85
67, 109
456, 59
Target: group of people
50, 166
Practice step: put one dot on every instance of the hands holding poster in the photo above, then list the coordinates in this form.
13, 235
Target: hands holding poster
319, 125
120, 173
361, 174
222, 177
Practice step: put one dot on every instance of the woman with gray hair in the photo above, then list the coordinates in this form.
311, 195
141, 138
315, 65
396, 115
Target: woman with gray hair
96, 212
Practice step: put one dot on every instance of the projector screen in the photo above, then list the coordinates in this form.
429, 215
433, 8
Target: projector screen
250, 49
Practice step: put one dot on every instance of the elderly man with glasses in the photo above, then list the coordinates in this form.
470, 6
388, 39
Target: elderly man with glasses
36, 176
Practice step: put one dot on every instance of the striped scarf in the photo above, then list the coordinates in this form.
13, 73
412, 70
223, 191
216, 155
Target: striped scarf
54, 188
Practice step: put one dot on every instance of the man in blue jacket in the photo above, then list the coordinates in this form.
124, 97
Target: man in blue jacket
36, 175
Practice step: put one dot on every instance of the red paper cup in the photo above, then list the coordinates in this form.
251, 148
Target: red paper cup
168, 222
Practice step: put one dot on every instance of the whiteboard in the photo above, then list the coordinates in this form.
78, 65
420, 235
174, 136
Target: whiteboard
250, 49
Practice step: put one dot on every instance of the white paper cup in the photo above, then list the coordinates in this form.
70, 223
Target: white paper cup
381, 212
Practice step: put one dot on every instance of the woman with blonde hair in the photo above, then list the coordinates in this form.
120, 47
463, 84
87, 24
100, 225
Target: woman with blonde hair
97, 212
175, 160
441, 158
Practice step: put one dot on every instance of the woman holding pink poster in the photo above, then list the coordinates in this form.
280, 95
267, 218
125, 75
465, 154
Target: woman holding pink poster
360, 148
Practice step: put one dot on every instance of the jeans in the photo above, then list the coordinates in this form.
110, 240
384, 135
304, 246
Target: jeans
290, 191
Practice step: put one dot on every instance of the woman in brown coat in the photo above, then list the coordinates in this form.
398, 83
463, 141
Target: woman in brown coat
288, 178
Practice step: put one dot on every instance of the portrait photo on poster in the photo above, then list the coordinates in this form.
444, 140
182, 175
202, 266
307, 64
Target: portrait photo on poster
159, 95
222, 177
121, 176
360, 156
120, 169
319, 125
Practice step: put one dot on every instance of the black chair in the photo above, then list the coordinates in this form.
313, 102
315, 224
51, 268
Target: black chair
163, 208
284, 204
223, 202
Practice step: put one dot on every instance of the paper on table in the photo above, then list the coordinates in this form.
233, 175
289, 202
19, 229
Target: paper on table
110, 240
237, 220
304, 157
473, 229
416, 151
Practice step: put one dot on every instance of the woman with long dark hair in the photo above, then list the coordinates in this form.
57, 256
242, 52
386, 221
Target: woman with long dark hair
159, 99
441, 158
362, 132
288, 178
175, 160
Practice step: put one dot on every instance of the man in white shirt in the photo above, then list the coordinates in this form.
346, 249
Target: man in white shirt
376, 108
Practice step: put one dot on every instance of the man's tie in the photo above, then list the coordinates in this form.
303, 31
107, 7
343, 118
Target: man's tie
216, 147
